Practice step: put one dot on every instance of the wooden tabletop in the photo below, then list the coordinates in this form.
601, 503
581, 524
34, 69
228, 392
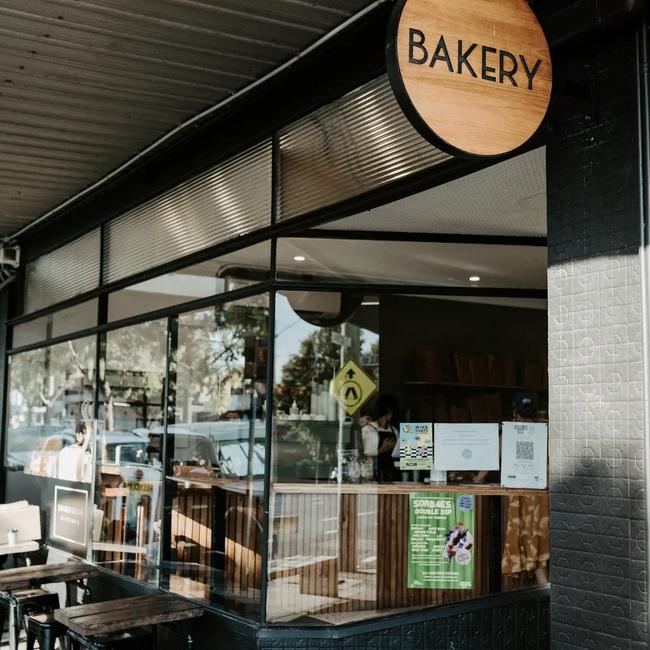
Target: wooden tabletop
241, 486
126, 613
38, 574
19, 547
478, 489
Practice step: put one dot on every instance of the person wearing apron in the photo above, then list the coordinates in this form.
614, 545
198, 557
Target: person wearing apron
380, 438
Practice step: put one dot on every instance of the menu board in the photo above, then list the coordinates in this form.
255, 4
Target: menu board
415, 445
441, 541
70, 516
459, 447
525, 453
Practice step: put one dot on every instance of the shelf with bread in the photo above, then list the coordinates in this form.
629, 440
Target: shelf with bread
458, 385
444, 386
434, 366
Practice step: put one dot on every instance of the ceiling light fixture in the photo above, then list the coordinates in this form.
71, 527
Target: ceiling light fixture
299, 258
474, 278
370, 303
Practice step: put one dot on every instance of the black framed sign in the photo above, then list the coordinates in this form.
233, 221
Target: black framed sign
70, 527
473, 76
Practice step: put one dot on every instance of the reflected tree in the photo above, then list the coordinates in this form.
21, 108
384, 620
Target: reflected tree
317, 359
209, 365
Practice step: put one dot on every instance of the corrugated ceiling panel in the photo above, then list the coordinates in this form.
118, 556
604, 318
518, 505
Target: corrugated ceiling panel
86, 85
229, 200
351, 146
63, 273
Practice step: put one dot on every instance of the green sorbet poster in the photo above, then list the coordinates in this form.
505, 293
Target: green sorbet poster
441, 541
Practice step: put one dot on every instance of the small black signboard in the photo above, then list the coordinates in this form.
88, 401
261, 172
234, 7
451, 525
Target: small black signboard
70, 518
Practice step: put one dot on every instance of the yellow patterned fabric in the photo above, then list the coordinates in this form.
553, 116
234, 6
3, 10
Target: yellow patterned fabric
526, 545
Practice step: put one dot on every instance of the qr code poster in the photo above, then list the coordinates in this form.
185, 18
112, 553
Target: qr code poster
525, 454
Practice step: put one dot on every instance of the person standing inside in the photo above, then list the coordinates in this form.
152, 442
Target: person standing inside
380, 438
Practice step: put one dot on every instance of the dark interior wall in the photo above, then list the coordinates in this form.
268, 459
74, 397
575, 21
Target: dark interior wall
409, 322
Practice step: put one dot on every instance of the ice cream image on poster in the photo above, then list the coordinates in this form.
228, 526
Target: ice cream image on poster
473, 76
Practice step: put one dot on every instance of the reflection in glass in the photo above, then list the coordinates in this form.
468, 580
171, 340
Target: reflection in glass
442, 264
215, 447
129, 455
323, 555
210, 278
58, 323
310, 426
51, 397
339, 502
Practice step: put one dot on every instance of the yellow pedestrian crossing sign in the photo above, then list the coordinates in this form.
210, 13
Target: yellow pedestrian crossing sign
352, 387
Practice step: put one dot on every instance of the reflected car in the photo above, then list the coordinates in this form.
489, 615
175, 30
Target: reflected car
24, 440
222, 445
123, 448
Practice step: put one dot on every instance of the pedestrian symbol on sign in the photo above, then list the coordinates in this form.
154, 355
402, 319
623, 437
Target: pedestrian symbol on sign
352, 387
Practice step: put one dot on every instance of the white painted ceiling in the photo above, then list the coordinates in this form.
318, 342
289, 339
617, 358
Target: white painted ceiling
508, 198
521, 267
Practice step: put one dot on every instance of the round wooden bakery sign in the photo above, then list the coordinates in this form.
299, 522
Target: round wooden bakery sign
473, 76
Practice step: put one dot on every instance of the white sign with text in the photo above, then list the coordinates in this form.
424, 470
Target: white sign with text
459, 447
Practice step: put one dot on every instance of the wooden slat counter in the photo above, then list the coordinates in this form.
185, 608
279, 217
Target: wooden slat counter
371, 547
346, 544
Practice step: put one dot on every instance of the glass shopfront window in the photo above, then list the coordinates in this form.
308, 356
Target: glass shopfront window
50, 415
130, 450
215, 448
225, 273
59, 323
429, 263
425, 344
345, 539
181, 444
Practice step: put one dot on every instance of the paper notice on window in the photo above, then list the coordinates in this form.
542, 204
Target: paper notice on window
459, 447
415, 445
524, 455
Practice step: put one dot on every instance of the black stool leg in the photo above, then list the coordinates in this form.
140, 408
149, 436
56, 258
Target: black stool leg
14, 626
31, 638
47, 640
4, 615
73, 644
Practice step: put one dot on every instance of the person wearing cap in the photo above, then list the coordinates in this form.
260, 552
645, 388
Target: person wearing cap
526, 546
524, 407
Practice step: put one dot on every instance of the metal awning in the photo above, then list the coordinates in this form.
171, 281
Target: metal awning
87, 84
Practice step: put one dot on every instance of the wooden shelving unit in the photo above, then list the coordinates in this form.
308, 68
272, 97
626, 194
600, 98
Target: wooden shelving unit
450, 384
